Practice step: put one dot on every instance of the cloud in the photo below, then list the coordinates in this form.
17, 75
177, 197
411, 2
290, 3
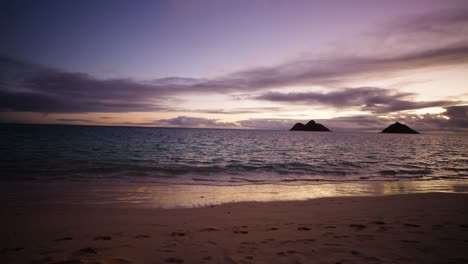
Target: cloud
431, 29
186, 121
74, 120
26, 87
455, 118
39, 89
458, 115
332, 71
242, 110
268, 123
376, 100
32, 88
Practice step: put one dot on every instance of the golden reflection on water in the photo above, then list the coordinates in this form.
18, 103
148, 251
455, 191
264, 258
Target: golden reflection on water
170, 196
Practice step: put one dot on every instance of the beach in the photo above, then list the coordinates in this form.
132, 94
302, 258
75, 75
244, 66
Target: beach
82, 194
317, 131
405, 228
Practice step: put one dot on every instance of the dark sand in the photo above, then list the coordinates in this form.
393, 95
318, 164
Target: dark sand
414, 228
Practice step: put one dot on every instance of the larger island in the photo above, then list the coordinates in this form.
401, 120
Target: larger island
311, 126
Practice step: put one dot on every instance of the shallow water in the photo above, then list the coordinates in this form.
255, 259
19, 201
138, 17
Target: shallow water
225, 157
147, 195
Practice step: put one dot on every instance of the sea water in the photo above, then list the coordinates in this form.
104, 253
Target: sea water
225, 157
57, 165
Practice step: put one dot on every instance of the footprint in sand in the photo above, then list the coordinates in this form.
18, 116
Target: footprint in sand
416, 232
210, 229
357, 227
410, 241
43, 260
70, 261
86, 250
384, 228
103, 238
240, 232
378, 222
178, 234
264, 241
341, 236
299, 241
237, 230
447, 238
174, 260
333, 244
286, 253
142, 236
63, 239
119, 261
52, 251
6, 250
374, 259
365, 237
411, 225
327, 234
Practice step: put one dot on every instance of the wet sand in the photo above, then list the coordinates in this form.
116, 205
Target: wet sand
408, 228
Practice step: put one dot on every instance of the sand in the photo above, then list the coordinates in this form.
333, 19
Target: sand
412, 228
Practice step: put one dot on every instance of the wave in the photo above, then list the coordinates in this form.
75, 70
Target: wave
226, 157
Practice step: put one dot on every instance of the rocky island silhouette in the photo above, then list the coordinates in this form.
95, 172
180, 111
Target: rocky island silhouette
311, 126
400, 129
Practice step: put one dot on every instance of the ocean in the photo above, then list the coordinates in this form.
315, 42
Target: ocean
224, 157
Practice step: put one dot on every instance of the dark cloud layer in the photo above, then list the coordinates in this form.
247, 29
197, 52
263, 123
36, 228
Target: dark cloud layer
376, 100
31, 88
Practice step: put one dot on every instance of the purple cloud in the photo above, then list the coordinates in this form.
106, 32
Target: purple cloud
376, 100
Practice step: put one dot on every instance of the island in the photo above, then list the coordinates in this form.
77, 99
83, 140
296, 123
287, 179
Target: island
311, 126
399, 128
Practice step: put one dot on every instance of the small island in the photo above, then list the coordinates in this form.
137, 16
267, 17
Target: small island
311, 126
399, 128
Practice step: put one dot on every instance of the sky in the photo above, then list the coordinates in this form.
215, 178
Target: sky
351, 65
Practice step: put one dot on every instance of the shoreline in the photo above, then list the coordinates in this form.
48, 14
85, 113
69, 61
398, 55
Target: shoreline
403, 228
146, 195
